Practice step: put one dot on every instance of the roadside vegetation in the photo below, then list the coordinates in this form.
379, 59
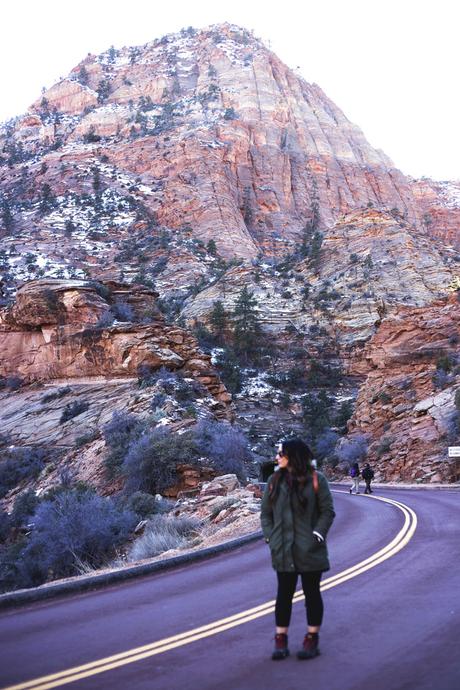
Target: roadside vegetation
70, 529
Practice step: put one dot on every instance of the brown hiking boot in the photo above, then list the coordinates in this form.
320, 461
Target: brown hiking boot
310, 646
281, 650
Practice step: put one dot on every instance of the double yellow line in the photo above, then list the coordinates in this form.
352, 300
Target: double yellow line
131, 656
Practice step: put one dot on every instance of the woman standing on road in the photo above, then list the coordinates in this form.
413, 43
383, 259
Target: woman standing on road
297, 512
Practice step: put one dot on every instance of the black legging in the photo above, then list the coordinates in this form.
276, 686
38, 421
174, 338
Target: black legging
313, 601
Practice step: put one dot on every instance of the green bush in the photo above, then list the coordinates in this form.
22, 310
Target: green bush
84, 439
344, 413
229, 370
56, 395
230, 114
221, 505
5, 525
73, 409
384, 397
315, 412
24, 507
444, 362
457, 399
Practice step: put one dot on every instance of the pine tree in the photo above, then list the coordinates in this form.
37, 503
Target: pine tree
83, 76
247, 210
315, 409
218, 319
315, 250
96, 180
212, 248
47, 199
7, 216
69, 228
247, 328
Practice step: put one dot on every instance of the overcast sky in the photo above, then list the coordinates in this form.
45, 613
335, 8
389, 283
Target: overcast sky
392, 66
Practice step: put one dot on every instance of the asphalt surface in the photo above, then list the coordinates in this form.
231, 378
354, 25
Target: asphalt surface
395, 626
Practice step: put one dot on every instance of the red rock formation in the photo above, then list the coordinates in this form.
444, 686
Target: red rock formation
409, 421
51, 332
439, 207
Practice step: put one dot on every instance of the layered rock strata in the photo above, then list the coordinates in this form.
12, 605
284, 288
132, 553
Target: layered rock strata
52, 332
209, 130
439, 207
406, 406
370, 263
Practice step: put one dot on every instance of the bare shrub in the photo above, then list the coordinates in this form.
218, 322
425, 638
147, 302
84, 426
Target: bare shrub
162, 534
123, 429
105, 320
149, 377
73, 409
225, 445
74, 526
123, 311
325, 445
353, 449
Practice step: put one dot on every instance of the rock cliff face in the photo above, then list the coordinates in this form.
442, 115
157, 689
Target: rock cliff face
407, 403
370, 263
207, 129
439, 205
54, 332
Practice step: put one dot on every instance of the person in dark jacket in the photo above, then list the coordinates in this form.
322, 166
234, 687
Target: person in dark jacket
297, 512
368, 475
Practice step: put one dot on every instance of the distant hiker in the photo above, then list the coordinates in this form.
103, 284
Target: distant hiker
354, 474
368, 475
297, 512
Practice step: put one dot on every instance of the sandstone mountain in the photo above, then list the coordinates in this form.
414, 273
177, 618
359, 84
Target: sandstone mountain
205, 130
177, 172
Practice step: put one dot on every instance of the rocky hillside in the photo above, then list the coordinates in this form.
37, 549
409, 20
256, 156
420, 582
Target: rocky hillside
370, 262
75, 352
410, 402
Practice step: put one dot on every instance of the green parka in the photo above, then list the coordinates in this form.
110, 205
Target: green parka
288, 526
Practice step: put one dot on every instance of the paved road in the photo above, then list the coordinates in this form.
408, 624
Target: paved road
392, 626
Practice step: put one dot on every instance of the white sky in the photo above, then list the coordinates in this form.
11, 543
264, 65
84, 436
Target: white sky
392, 66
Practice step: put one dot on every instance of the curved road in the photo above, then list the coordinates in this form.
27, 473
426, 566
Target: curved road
392, 615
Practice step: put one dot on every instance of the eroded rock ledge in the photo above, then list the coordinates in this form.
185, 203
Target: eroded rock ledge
54, 331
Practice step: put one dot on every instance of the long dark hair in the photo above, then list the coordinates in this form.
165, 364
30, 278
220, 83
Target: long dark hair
299, 457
